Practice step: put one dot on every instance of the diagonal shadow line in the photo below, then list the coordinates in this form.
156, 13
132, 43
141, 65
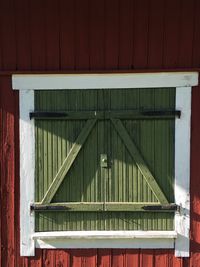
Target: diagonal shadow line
65, 167
135, 153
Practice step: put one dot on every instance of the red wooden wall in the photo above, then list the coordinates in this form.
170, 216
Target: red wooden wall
90, 35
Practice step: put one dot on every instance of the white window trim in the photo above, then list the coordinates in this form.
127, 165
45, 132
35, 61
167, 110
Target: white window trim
179, 238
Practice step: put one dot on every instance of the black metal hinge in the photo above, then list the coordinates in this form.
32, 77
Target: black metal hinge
47, 114
169, 207
98, 207
107, 114
175, 113
48, 208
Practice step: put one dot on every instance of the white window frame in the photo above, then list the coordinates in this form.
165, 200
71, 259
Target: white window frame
179, 238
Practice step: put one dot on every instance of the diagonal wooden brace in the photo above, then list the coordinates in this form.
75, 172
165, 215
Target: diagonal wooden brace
64, 169
135, 153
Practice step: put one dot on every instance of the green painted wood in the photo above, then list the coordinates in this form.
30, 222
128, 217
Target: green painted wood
161, 114
138, 158
104, 206
122, 181
68, 161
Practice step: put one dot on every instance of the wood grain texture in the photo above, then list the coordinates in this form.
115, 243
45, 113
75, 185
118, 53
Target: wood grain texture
52, 34
8, 35
82, 45
1, 164
196, 36
104, 257
103, 45
37, 35
146, 258
65, 174
171, 34
111, 34
186, 33
65, 167
141, 32
84, 257
7, 173
126, 33
67, 35
23, 40
132, 257
97, 35
156, 33
118, 257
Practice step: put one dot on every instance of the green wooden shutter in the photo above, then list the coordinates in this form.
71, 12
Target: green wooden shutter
140, 159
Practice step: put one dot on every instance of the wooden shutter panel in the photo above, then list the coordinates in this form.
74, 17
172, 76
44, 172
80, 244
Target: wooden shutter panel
86, 181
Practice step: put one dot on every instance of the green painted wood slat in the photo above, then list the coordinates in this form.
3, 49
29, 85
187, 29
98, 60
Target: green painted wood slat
104, 206
68, 161
139, 161
162, 114
86, 181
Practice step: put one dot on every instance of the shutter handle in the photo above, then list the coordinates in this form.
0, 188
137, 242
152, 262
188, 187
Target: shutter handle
104, 160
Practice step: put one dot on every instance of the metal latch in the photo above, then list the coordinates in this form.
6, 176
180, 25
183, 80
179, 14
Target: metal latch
104, 161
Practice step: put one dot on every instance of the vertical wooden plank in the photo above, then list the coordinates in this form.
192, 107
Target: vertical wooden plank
35, 261
111, 34
67, 35
37, 31
82, 35
52, 35
156, 34
147, 258
90, 258
186, 34
97, 31
118, 257
196, 40
23, 44
161, 258
7, 173
1, 49
8, 35
104, 257
22, 262
84, 257
76, 259
62, 258
185, 262
1, 165
140, 45
49, 258
171, 34
132, 258
174, 261
126, 24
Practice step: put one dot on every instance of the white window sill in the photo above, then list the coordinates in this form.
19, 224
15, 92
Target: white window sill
105, 239
104, 234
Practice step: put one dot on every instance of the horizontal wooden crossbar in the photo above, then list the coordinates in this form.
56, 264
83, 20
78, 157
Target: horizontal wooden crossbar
102, 206
107, 114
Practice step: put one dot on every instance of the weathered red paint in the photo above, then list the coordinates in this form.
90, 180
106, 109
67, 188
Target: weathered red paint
7, 173
69, 35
